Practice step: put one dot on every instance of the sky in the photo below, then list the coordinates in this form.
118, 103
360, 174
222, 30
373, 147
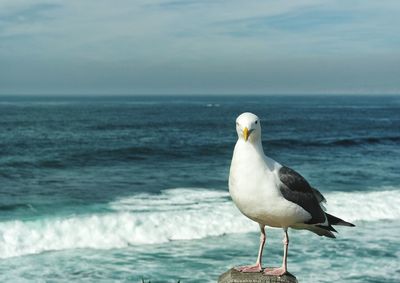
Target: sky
199, 47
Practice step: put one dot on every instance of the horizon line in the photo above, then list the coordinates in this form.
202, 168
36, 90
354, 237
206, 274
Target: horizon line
204, 94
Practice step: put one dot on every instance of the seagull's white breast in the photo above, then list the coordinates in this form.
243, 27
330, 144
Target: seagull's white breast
254, 188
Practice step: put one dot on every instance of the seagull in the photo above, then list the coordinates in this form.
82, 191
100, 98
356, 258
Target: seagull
272, 194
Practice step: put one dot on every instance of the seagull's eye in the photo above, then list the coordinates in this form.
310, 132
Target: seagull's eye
256, 122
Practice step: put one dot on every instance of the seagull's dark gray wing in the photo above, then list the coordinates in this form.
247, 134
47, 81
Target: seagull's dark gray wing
296, 189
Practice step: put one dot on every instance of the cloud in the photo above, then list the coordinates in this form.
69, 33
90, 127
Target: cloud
198, 46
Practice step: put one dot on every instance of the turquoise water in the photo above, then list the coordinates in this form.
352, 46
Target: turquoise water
102, 189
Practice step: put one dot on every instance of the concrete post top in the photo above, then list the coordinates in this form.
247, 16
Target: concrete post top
234, 276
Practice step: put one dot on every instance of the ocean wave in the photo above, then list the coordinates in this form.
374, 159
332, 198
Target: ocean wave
142, 153
123, 154
145, 151
176, 214
11, 207
335, 142
365, 206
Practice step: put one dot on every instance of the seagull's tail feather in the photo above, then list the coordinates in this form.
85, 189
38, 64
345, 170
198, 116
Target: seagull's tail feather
329, 228
333, 220
324, 229
321, 230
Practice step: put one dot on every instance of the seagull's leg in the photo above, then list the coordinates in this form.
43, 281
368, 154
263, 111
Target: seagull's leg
257, 267
283, 269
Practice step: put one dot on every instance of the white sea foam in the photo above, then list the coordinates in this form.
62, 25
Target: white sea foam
176, 214
367, 206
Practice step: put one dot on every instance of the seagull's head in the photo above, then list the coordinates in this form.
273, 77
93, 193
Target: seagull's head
248, 127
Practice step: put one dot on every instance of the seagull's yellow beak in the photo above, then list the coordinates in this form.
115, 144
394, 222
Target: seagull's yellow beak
246, 134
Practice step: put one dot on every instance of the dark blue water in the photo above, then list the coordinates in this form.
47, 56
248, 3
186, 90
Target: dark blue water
72, 161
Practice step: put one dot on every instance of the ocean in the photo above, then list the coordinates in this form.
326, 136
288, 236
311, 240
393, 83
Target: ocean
132, 189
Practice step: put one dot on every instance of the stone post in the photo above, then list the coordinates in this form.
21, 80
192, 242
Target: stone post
234, 276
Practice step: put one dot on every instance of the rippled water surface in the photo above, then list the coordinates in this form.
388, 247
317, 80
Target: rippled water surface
124, 188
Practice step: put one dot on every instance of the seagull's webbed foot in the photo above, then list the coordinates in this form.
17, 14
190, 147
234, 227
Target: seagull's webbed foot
275, 271
249, 268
